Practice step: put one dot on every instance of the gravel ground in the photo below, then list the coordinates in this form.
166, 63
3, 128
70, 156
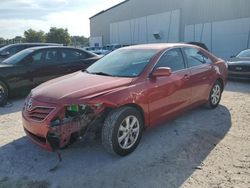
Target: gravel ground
201, 148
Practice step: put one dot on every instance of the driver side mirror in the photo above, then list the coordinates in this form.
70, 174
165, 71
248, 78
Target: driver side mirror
161, 72
233, 56
5, 54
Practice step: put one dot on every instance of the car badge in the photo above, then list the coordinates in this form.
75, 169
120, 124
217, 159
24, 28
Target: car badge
238, 68
29, 104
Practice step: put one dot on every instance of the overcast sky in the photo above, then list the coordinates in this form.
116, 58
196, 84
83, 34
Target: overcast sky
16, 16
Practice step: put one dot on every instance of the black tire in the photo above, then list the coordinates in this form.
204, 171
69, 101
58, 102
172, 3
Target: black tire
213, 101
3, 94
112, 128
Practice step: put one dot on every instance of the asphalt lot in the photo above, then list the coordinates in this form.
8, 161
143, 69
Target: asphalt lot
201, 148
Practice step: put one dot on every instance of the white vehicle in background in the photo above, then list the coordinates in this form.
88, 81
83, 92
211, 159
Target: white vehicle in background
97, 50
105, 49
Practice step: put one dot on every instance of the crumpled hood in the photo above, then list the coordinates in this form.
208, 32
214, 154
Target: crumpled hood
76, 86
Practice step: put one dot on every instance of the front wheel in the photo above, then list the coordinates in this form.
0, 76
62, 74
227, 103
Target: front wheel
3, 94
215, 95
122, 130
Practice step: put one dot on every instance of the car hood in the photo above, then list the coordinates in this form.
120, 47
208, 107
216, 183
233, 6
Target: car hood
78, 86
2, 65
239, 61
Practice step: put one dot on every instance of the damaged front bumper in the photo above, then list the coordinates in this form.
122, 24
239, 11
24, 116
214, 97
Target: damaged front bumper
57, 133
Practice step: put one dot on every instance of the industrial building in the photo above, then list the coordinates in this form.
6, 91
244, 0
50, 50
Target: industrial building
223, 25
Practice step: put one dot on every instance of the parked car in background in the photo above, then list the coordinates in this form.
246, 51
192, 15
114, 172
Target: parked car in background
239, 66
98, 50
11, 49
2, 45
88, 48
126, 91
112, 47
104, 50
36, 65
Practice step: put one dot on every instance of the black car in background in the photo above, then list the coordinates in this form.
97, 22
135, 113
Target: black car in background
239, 66
36, 65
11, 49
200, 44
2, 45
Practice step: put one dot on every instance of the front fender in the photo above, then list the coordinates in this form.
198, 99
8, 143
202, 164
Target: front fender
135, 95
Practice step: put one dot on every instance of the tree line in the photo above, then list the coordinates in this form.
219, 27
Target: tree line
55, 35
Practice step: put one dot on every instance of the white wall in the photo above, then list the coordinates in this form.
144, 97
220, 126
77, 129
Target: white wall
141, 30
93, 41
223, 38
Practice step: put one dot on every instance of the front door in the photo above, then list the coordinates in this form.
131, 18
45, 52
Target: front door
172, 93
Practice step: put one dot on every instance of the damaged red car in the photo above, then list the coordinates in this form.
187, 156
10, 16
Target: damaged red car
123, 93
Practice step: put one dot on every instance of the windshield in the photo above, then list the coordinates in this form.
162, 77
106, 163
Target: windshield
245, 53
123, 62
18, 57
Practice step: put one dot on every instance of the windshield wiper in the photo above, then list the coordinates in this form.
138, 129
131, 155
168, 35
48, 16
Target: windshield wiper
101, 73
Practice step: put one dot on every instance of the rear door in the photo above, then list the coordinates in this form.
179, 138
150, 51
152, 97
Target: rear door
44, 65
73, 60
172, 93
202, 73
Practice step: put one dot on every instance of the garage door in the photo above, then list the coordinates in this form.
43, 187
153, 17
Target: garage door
162, 27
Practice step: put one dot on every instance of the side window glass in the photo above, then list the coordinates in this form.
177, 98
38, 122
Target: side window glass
196, 57
13, 50
19, 48
72, 55
37, 58
51, 56
172, 59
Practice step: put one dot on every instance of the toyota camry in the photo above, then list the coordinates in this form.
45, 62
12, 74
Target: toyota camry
123, 93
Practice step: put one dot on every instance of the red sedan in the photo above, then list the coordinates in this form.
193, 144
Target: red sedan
124, 92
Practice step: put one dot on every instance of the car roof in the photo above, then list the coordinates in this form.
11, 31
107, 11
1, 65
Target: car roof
248, 49
59, 47
47, 47
159, 46
35, 44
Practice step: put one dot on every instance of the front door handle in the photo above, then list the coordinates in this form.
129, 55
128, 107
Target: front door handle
213, 68
186, 77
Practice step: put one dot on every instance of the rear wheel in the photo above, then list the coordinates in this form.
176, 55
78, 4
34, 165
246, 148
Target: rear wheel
3, 94
215, 95
122, 131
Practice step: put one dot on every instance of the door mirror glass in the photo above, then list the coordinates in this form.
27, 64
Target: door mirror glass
161, 72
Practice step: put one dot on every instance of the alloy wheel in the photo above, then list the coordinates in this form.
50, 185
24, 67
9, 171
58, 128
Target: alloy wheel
2, 92
216, 92
128, 132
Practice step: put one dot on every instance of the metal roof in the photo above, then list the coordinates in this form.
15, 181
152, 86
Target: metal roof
103, 11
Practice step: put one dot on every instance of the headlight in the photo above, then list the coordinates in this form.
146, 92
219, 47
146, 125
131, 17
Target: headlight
75, 107
75, 110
